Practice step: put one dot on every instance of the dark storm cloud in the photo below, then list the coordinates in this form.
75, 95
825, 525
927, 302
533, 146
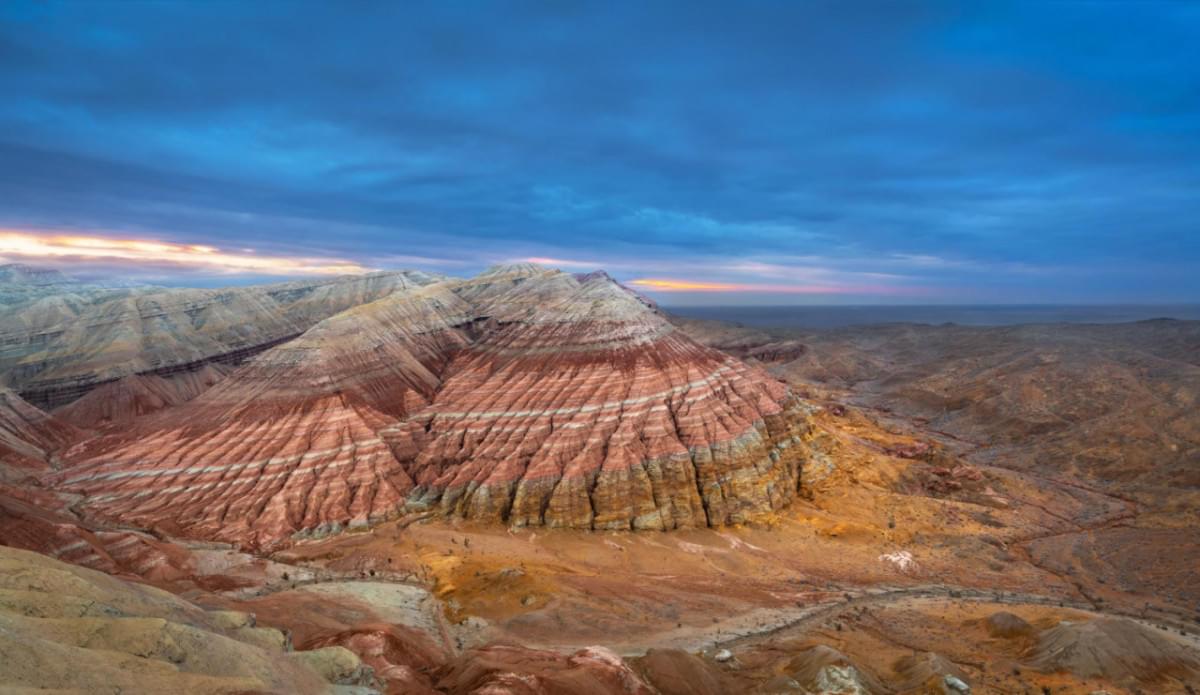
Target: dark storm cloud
996, 151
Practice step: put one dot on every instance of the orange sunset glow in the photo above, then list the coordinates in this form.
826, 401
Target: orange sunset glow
673, 285
31, 245
686, 285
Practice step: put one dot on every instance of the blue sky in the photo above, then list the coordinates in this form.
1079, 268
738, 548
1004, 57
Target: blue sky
791, 152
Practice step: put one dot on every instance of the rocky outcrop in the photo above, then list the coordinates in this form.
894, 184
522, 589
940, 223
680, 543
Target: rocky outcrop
38, 520
929, 672
511, 669
523, 396
399, 655
1118, 650
677, 672
1005, 625
824, 669
60, 347
337, 665
71, 629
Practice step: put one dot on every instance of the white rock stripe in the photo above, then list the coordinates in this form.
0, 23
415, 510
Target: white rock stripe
591, 408
264, 463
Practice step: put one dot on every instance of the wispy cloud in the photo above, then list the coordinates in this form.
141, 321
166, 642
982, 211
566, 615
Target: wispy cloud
682, 285
132, 253
569, 263
406, 261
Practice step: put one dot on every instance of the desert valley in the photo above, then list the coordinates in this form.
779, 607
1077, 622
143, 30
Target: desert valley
537, 481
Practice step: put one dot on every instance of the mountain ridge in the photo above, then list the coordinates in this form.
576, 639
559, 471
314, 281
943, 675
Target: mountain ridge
524, 396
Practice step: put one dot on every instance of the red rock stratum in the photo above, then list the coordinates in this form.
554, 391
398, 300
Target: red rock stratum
523, 395
28, 436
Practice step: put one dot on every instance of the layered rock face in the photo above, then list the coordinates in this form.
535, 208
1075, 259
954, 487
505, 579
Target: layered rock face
509, 669
122, 401
583, 408
289, 441
522, 396
59, 347
37, 520
28, 436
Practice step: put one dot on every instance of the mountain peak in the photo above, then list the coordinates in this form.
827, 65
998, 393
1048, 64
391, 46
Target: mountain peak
518, 269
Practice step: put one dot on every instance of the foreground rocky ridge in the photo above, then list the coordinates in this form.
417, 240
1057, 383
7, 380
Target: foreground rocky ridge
524, 396
71, 629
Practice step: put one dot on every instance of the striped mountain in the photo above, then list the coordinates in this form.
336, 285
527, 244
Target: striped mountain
523, 395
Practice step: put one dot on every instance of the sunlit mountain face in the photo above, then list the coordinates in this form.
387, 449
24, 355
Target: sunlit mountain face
600, 349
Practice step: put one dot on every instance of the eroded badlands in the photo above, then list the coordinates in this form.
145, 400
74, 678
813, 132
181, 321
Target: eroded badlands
535, 482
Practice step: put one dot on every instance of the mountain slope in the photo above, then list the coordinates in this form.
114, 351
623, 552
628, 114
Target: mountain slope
584, 408
28, 436
522, 395
128, 398
289, 440
62, 346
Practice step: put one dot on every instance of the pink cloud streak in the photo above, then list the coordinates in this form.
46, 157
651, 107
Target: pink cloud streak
677, 285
